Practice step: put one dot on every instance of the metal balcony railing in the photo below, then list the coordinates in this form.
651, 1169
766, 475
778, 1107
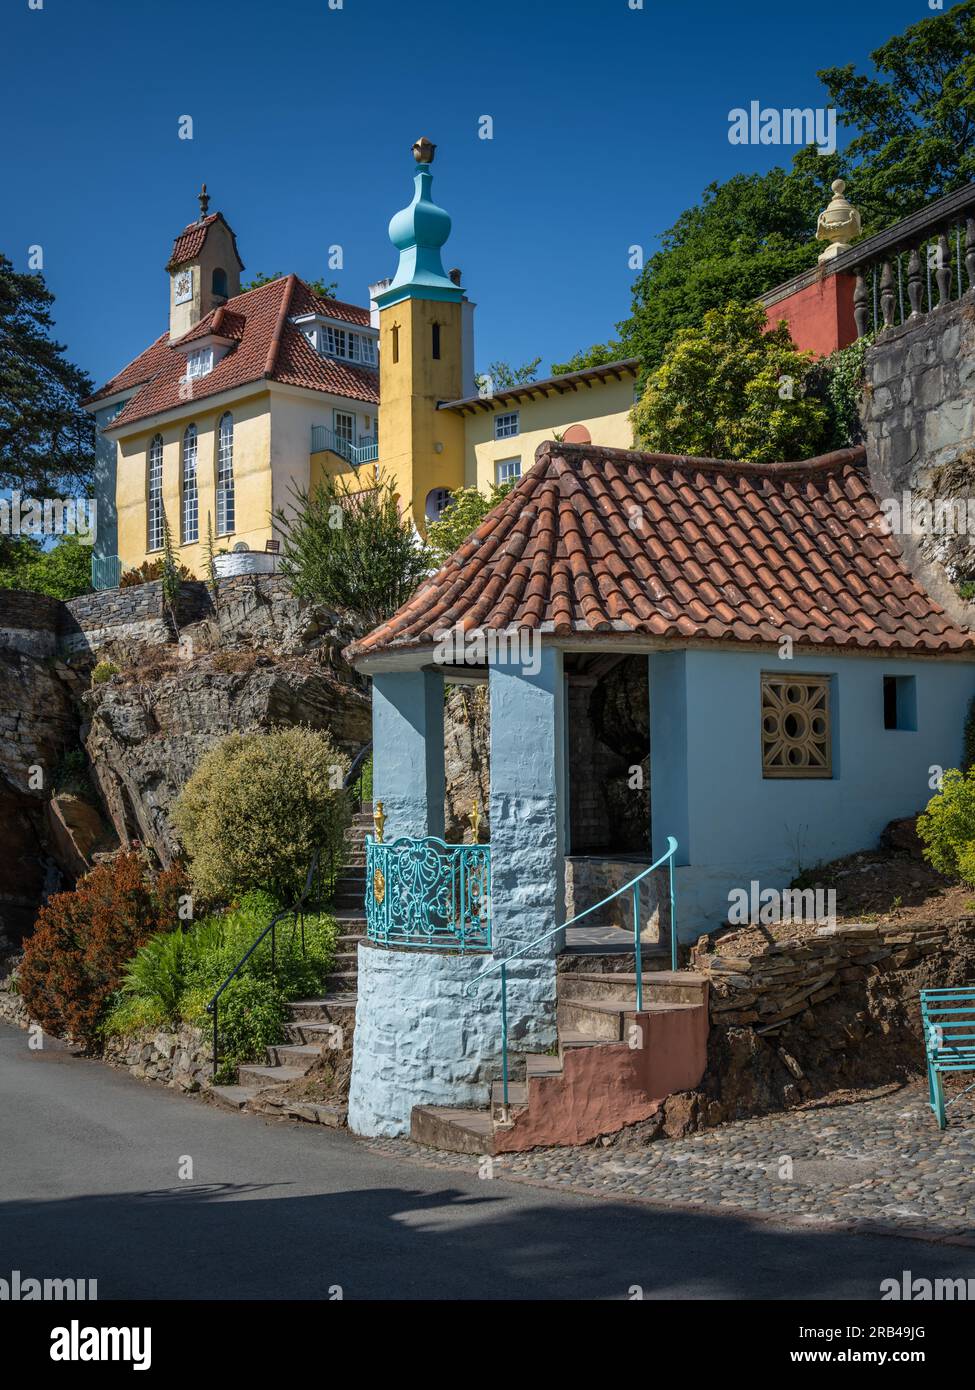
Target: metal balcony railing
106, 571
428, 894
366, 451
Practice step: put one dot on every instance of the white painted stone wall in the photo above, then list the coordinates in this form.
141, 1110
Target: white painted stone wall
420, 1039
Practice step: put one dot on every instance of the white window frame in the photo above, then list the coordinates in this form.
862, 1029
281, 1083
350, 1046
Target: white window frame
191, 495
154, 501
346, 430
506, 426
226, 506
199, 363
435, 509
501, 475
348, 346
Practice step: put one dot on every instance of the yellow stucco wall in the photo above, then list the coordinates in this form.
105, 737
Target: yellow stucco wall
604, 408
420, 447
252, 481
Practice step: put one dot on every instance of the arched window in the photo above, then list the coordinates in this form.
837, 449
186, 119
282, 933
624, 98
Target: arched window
155, 499
225, 476
191, 499
438, 500
218, 283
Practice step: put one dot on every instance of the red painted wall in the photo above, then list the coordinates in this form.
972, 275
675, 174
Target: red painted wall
820, 317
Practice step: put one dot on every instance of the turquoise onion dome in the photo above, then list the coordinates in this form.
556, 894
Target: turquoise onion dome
418, 232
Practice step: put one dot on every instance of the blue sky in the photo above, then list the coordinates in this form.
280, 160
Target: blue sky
608, 122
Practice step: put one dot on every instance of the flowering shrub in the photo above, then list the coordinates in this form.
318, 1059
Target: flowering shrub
74, 961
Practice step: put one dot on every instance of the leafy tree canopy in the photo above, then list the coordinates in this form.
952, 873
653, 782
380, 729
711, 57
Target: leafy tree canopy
63, 571
351, 549
915, 121
729, 389
467, 510
47, 442
501, 376
319, 287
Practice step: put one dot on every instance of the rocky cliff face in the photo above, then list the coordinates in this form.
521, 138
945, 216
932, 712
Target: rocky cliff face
252, 659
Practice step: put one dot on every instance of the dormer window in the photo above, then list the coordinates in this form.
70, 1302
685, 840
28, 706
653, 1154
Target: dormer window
199, 363
352, 347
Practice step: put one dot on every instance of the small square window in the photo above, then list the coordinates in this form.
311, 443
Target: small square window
506, 426
796, 733
900, 702
507, 470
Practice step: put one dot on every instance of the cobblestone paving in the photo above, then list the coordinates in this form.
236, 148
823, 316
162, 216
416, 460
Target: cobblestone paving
878, 1161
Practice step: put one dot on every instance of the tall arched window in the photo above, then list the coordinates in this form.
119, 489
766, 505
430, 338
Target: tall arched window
395, 342
225, 476
218, 283
155, 497
191, 499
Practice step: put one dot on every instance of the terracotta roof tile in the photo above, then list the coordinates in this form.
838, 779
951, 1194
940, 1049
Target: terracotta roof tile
721, 551
257, 321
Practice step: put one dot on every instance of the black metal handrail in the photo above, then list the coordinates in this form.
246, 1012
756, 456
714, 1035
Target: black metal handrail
352, 779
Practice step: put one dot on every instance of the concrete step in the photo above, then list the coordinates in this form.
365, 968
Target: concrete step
316, 1032
327, 1008
254, 1075
233, 1097
542, 1064
303, 1056
452, 1128
605, 1019
659, 986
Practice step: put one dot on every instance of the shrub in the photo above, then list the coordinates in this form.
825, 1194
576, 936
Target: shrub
252, 1015
467, 510
947, 826
73, 963
150, 570
256, 809
103, 671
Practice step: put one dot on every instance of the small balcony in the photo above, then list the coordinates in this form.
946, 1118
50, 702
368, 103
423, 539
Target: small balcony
322, 438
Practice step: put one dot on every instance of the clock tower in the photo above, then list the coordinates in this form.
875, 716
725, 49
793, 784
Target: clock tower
204, 269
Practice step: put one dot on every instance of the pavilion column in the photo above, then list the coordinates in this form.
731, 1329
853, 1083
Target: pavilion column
408, 751
527, 798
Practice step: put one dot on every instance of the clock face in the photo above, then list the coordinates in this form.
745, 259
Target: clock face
184, 286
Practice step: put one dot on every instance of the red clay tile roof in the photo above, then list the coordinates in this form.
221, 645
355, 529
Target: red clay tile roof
267, 345
608, 543
189, 243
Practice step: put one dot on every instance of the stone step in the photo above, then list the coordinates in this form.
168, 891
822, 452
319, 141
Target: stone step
349, 883
349, 941
346, 960
659, 986
454, 1129
542, 1064
598, 958
259, 1075
315, 1112
304, 1056
347, 902
328, 1008
233, 1097
347, 915
315, 1031
605, 1019
342, 981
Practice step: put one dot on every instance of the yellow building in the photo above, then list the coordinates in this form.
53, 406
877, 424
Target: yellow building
251, 396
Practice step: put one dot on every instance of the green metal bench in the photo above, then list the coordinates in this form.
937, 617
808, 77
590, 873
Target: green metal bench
948, 1017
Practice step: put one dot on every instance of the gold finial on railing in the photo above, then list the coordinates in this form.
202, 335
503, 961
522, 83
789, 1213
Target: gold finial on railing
379, 821
475, 820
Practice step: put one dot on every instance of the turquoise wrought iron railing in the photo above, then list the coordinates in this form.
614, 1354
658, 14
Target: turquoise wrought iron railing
106, 571
633, 887
428, 894
367, 451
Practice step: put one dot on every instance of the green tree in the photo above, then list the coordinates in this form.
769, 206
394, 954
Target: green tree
63, 571
466, 511
47, 442
319, 287
729, 389
914, 119
502, 376
351, 549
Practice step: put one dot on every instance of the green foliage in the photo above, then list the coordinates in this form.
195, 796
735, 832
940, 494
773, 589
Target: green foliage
212, 581
63, 571
103, 671
968, 757
729, 389
46, 440
837, 381
596, 356
502, 376
351, 550
947, 826
317, 287
174, 976
915, 119
71, 773
257, 807
151, 570
466, 512
170, 569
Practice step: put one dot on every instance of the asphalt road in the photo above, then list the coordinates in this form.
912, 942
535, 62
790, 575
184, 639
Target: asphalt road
90, 1187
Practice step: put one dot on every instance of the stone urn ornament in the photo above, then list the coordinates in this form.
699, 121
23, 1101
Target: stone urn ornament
838, 223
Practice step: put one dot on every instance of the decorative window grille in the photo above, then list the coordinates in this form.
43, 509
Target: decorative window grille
155, 508
796, 729
225, 476
505, 426
191, 498
508, 470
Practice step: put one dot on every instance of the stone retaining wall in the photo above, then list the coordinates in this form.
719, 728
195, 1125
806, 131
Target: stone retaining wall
29, 622
178, 1057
